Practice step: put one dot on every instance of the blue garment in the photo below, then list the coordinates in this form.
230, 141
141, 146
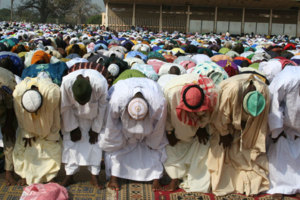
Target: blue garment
56, 71
18, 63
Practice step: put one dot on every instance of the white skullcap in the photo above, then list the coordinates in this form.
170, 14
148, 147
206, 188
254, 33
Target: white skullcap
144, 48
31, 100
113, 69
137, 108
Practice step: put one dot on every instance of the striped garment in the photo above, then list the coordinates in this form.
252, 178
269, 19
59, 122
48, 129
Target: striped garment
89, 65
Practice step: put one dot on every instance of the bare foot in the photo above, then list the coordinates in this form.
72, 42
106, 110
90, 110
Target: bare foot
22, 182
113, 183
173, 185
277, 197
156, 185
9, 177
95, 181
67, 181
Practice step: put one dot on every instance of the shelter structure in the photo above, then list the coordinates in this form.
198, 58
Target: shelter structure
219, 16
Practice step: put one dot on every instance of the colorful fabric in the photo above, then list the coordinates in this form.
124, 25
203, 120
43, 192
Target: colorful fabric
88, 65
207, 67
129, 73
49, 191
55, 71
40, 56
230, 67
147, 70
254, 103
209, 100
18, 63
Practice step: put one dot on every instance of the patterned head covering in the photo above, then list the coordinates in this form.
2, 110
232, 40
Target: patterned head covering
196, 97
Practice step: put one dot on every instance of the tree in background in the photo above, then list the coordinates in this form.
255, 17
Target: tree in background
95, 19
47, 8
70, 11
84, 9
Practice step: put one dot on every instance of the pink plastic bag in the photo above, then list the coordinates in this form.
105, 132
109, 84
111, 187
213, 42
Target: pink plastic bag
50, 191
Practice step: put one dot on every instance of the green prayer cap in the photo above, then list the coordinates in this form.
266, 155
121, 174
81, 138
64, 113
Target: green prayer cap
254, 103
82, 90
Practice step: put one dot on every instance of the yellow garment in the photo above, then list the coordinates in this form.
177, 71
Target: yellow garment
187, 159
40, 162
242, 168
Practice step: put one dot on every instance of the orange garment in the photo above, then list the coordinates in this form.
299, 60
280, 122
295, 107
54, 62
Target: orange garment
40, 55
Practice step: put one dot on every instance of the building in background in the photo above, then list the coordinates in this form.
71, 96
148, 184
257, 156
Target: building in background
236, 16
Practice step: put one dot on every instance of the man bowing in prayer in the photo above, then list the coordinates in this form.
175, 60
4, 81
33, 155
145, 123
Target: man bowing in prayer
8, 121
134, 138
284, 123
37, 152
237, 159
191, 101
83, 108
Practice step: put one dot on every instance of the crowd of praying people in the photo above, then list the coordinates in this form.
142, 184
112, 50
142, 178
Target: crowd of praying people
216, 113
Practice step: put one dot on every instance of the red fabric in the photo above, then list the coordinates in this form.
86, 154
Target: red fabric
50, 191
284, 62
156, 64
289, 46
187, 64
230, 71
170, 58
187, 115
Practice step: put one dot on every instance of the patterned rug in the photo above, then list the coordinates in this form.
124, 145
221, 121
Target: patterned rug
129, 191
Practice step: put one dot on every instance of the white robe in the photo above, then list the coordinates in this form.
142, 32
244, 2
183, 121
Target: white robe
284, 155
135, 150
86, 117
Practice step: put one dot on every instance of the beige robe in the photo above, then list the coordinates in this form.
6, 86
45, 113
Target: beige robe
187, 159
40, 162
242, 168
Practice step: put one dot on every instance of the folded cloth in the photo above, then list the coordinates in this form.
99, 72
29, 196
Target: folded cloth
50, 191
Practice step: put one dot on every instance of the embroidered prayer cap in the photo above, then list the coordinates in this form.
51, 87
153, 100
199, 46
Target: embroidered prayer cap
32, 100
82, 90
137, 108
196, 97
254, 103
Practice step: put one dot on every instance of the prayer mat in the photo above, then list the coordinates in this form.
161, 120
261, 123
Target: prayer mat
86, 191
9, 192
135, 190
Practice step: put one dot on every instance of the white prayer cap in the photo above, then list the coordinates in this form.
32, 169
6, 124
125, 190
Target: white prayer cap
31, 100
113, 69
137, 108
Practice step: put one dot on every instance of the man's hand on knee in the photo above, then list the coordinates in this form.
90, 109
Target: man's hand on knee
226, 140
93, 137
172, 138
75, 135
202, 135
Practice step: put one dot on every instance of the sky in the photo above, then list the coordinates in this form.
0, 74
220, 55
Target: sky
6, 3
